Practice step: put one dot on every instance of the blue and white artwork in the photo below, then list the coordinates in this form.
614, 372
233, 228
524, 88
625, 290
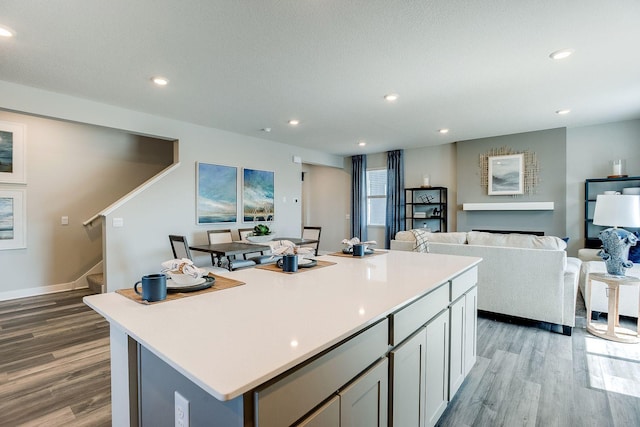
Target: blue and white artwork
506, 174
257, 195
12, 153
6, 218
6, 151
217, 193
13, 217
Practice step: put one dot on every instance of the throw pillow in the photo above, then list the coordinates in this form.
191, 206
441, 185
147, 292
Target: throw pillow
634, 251
422, 242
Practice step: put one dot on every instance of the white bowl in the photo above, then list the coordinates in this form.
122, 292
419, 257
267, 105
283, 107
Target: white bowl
261, 239
183, 279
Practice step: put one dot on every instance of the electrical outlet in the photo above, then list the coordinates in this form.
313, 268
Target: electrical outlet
181, 410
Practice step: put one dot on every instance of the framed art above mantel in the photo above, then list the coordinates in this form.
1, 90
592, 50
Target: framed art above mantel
506, 174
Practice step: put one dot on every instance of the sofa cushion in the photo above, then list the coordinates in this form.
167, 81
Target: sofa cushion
515, 240
453, 237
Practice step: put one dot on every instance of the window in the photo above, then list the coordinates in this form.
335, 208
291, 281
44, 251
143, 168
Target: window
376, 197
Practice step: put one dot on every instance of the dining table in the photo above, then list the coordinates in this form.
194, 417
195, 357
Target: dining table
229, 249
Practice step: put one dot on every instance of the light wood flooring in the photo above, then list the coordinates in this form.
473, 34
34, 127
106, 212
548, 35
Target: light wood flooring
54, 362
54, 371
527, 376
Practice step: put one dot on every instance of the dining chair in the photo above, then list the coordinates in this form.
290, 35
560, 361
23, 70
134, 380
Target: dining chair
218, 236
244, 232
180, 249
309, 232
259, 257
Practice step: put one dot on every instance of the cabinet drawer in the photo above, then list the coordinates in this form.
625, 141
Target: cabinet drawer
410, 318
461, 284
292, 396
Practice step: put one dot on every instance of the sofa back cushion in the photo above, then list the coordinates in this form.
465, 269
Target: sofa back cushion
514, 240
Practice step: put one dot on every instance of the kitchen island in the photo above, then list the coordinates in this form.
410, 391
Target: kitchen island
284, 348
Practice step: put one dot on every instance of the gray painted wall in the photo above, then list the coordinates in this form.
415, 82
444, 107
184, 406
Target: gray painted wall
590, 152
73, 170
168, 206
550, 148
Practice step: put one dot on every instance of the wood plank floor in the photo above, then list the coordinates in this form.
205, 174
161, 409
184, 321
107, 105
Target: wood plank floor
527, 376
54, 362
54, 371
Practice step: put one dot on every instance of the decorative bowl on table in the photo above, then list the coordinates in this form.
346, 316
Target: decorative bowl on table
260, 239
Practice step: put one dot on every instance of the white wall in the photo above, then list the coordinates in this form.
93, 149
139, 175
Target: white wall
326, 203
590, 150
73, 170
168, 207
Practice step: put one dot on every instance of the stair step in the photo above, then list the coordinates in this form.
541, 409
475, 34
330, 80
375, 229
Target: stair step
96, 282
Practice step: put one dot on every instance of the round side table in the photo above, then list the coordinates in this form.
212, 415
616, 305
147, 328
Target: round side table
612, 330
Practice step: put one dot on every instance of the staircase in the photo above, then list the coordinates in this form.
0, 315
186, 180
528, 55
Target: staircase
96, 282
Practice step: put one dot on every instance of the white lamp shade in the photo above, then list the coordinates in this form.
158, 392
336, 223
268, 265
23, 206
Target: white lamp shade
617, 210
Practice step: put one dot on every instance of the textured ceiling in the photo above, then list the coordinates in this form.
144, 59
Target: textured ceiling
480, 68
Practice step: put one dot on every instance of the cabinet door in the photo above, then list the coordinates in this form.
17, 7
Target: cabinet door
408, 382
327, 416
457, 366
437, 367
470, 329
364, 402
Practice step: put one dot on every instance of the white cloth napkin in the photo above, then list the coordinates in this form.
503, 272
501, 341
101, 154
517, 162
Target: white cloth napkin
284, 247
184, 266
355, 241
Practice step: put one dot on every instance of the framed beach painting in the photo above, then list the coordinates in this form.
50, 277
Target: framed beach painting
12, 153
217, 193
506, 175
13, 218
257, 195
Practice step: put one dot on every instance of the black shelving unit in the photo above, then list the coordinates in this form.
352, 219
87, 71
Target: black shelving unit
426, 207
593, 187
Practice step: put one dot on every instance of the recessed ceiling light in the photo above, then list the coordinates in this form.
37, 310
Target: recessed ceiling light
6, 31
362, 143
443, 131
160, 81
294, 122
564, 111
391, 97
561, 54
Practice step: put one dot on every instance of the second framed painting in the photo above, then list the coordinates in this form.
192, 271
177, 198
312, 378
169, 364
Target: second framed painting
257, 195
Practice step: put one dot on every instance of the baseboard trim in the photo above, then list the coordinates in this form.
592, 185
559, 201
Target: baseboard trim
79, 283
41, 290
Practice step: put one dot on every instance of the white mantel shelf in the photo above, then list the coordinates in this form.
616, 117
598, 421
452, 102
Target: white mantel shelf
509, 206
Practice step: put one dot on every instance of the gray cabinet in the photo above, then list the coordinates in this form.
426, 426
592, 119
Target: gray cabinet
328, 415
364, 402
408, 381
462, 347
437, 368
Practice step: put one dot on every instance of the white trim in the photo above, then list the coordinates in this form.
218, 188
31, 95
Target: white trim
513, 206
79, 283
41, 290
132, 194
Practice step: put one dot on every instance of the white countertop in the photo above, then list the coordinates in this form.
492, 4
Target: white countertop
229, 342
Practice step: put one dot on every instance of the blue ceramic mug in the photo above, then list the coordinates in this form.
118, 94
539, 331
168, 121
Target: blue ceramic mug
358, 249
154, 287
289, 263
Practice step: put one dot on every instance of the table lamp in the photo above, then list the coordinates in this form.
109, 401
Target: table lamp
617, 210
